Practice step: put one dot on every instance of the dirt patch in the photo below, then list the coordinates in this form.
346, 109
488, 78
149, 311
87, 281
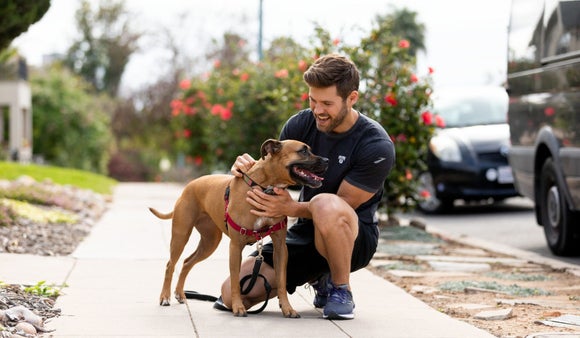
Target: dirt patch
501, 294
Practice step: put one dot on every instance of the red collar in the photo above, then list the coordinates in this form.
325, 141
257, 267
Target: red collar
258, 234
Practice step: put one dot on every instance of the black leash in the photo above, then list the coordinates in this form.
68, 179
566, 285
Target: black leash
253, 278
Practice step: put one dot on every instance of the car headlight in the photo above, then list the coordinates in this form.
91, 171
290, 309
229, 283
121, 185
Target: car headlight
445, 149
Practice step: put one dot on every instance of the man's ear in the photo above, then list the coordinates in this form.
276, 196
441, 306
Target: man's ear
270, 146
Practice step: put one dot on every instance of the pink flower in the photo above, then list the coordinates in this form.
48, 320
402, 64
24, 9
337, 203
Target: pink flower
336, 41
408, 174
431, 70
186, 133
217, 63
414, 78
185, 84
549, 111
216, 109
226, 114
244, 77
302, 66
282, 73
425, 194
404, 43
439, 122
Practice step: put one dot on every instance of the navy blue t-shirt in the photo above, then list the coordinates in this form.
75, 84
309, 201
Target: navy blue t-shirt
363, 156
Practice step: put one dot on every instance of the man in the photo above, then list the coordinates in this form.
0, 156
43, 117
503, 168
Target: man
336, 231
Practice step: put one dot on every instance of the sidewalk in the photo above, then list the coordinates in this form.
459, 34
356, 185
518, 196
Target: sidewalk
114, 278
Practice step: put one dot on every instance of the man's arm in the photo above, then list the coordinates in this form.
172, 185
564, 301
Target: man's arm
352, 195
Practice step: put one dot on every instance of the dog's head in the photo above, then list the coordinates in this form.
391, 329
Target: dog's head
302, 166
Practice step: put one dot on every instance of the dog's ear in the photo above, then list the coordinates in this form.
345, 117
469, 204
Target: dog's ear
270, 146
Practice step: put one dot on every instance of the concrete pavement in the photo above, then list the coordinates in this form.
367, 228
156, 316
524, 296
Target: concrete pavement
114, 278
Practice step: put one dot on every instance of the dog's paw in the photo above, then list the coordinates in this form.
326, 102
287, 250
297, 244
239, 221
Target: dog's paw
164, 302
291, 314
239, 311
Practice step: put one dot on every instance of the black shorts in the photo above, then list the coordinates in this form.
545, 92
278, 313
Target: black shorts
304, 261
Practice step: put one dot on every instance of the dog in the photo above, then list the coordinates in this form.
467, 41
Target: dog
209, 200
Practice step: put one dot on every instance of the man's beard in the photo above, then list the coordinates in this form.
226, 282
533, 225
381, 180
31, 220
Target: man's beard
335, 121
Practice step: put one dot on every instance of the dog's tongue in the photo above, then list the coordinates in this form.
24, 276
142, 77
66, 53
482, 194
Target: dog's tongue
308, 174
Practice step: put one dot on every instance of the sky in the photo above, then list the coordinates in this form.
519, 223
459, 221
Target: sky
466, 40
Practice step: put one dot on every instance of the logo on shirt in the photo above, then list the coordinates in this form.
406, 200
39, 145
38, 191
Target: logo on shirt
341, 159
379, 160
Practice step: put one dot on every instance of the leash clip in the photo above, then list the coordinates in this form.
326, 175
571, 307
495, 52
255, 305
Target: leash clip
259, 246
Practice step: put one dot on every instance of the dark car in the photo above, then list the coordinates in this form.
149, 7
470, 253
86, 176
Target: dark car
544, 115
467, 159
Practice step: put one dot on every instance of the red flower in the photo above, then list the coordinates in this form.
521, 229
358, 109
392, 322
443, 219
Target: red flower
414, 78
244, 77
304, 96
186, 133
404, 43
425, 194
431, 70
402, 137
217, 63
390, 99
427, 117
549, 111
408, 174
198, 160
336, 41
439, 122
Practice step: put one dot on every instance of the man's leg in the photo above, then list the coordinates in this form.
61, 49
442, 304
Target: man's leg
335, 231
258, 293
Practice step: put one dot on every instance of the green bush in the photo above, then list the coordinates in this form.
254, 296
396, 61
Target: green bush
231, 110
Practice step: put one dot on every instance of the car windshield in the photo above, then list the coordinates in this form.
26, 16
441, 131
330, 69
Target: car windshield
469, 108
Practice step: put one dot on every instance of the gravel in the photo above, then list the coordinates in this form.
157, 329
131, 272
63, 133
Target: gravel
21, 235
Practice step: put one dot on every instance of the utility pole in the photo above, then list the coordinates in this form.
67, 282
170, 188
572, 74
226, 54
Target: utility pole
260, 54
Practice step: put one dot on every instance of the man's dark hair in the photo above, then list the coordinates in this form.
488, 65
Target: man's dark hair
333, 69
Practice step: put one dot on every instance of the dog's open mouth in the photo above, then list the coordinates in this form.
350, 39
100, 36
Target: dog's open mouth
308, 176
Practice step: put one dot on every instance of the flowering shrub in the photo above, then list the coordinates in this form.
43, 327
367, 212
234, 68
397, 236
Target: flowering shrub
233, 109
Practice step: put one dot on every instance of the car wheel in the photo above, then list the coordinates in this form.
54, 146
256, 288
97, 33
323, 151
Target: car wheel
427, 200
562, 238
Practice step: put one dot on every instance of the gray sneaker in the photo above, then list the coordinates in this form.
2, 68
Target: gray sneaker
339, 303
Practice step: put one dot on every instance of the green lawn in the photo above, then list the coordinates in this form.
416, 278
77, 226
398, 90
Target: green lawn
64, 176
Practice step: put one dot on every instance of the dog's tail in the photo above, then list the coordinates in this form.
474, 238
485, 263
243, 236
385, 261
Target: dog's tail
168, 215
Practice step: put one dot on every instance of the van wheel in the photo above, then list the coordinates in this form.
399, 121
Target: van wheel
558, 221
428, 202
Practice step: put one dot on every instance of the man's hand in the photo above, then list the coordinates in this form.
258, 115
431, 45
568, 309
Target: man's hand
279, 205
243, 163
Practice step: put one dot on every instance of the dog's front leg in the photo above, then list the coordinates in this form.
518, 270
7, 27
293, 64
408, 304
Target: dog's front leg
280, 264
235, 263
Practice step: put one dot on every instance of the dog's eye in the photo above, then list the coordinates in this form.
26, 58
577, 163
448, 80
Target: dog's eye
303, 151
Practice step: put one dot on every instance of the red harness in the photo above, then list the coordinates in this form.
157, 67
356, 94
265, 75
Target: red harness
258, 234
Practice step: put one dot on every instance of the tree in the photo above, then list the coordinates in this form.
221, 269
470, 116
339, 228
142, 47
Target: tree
70, 125
403, 24
107, 41
17, 16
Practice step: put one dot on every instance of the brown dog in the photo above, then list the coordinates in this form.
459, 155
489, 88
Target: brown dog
202, 205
